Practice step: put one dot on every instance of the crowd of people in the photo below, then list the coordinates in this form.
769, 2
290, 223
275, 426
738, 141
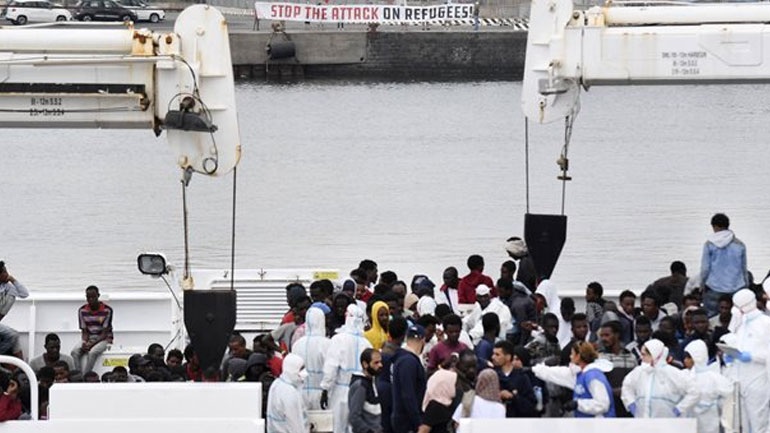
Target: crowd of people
386, 356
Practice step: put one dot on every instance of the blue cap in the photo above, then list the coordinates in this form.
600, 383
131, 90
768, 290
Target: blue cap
423, 282
415, 331
349, 286
321, 306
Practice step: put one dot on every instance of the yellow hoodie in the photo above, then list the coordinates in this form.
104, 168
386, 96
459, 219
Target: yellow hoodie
377, 335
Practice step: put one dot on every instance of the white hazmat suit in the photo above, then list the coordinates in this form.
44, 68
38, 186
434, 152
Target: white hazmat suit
656, 389
749, 368
285, 411
312, 348
342, 360
712, 386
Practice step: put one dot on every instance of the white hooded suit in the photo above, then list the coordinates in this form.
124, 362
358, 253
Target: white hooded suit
752, 337
658, 390
312, 348
711, 386
342, 360
285, 411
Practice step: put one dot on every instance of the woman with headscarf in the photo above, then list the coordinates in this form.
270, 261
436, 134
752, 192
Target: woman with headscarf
591, 391
712, 386
441, 399
486, 402
655, 389
378, 333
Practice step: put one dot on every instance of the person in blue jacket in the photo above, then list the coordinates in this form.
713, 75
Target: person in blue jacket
408, 383
592, 393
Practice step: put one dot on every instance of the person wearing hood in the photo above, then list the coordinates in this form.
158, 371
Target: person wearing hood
340, 364
723, 264
711, 385
363, 399
312, 348
285, 411
655, 389
486, 401
592, 393
378, 333
485, 304
748, 367
340, 303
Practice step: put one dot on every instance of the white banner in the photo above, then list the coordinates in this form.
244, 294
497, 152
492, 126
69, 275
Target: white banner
363, 13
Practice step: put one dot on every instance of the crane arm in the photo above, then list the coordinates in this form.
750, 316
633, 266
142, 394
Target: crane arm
617, 44
95, 77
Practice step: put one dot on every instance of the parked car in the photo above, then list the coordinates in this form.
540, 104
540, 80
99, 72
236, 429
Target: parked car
143, 11
21, 12
103, 10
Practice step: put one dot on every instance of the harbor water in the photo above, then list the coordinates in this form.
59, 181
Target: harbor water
416, 176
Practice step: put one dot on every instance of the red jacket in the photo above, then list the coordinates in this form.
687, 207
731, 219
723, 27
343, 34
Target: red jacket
10, 408
466, 290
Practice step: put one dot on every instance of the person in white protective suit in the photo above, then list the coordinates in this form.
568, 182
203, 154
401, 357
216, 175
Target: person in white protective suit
712, 386
655, 389
748, 366
286, 412
312, 349
342, 360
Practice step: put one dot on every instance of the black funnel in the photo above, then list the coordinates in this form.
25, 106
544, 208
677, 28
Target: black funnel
545, 236
209, 316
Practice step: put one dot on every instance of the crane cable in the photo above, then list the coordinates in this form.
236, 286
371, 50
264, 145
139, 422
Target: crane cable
562, 162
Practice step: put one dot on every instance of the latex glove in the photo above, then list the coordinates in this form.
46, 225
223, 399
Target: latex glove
570, 406
728, 359
632, 409
744, 357
324, 399
677, 412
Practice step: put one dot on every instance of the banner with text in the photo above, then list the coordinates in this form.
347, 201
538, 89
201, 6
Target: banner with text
363, 13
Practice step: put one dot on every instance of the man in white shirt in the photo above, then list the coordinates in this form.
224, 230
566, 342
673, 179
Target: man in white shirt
485, 304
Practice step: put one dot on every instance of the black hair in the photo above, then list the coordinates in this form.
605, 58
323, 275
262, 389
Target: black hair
367, 265
491, 323
366, 355
699, 312
475, 262
156, 345
92, 287
388, 277
452, 319
358, 273
61, 363
510, 266
649, 294
597, 288
577, 317
381, 289
119, 368
51, 337
46, 372
614, 326
626, 294
568, 303
720, 220
669, 319
326, 286
389, 297
643, 321
294, 284
397, 328
667, 339
237, 338
174, 353
690, 297
442, 310
505, 284
189, 352
506, 346
551, 317
726, 298
427, 320
678, 267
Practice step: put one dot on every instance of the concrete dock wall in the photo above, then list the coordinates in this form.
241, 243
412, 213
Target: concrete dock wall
407, 55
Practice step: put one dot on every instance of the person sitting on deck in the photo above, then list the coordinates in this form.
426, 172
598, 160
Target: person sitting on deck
52, 354
95, 319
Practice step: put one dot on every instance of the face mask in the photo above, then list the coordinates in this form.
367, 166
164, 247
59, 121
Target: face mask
646, 366
303, 375
574, 368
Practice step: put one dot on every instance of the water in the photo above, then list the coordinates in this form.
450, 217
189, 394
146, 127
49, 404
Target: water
416, 176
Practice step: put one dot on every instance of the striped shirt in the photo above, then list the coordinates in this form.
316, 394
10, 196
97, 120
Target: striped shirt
95, 322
